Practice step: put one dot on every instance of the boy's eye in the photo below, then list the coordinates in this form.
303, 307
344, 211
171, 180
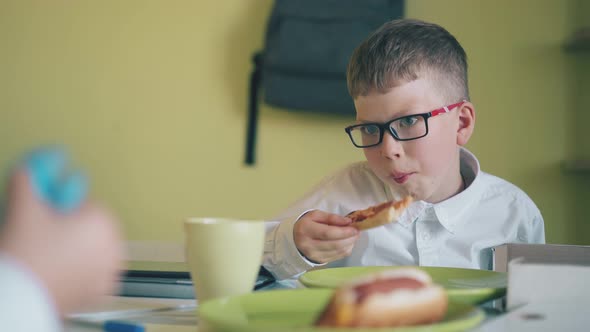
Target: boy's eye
370, 130
408, 121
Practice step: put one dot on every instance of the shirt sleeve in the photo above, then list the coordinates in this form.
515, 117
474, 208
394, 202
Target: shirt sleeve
346, 190
25, 304
281, 256
537, 233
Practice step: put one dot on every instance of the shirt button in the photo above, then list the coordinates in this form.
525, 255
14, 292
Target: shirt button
426, 237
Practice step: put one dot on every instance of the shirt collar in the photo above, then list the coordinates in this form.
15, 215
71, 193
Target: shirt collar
413, 212
450, 212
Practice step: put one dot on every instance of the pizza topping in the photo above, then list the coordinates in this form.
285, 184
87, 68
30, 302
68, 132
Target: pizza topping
384, 286
361, 215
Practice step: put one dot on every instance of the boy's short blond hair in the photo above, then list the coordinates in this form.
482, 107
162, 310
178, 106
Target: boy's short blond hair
404, 50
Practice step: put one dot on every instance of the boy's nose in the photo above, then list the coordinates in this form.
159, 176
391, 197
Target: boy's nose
390, 147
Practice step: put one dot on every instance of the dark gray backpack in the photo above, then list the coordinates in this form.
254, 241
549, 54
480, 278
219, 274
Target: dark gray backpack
307, 48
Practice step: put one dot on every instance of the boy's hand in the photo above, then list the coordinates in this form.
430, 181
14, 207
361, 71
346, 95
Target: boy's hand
324, 237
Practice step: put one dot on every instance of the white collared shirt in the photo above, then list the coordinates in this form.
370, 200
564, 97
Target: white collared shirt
457, 232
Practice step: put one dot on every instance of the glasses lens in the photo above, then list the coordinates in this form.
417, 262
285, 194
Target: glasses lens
409, 127
365, 135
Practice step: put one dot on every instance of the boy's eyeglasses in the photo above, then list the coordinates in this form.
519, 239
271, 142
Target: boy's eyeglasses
405, 128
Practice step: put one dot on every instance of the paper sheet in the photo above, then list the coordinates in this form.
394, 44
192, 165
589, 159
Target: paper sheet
142, 310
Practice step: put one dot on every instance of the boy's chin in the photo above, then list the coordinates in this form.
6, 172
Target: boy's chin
418, 194
407, 190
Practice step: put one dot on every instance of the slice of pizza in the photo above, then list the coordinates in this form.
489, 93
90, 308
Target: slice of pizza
379, 214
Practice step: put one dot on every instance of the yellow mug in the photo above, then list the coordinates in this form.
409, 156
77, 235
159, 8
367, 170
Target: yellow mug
223, 255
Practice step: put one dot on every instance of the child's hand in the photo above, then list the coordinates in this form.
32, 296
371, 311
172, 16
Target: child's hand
323, 237
77, 256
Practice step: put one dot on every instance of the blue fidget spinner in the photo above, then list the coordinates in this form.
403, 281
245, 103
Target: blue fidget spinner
53, 180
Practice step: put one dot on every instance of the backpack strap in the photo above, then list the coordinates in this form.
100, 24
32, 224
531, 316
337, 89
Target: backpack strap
255, 80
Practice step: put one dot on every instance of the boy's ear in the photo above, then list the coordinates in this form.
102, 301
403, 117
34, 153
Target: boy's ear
466, 123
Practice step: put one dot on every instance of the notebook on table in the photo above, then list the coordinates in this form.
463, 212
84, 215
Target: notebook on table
167, 280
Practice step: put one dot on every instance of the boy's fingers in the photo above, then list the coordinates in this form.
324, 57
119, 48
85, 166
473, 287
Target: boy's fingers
319, 231
330, 218
335, 245
327, 251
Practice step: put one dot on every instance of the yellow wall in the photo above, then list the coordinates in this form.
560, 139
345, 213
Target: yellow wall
579, 63
151, 98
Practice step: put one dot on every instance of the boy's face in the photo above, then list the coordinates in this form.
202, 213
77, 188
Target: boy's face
428, 167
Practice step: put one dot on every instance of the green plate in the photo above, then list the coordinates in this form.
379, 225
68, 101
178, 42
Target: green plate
297, 309
462, 285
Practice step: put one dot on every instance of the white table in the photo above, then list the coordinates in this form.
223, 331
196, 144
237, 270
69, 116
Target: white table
145, 311
553, 315
570, 315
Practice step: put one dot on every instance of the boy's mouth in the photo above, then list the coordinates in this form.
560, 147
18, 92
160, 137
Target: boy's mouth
400, 178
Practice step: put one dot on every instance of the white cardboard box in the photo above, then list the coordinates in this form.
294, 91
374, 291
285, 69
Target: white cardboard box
535, 283
572, 255
544, 297
540, 253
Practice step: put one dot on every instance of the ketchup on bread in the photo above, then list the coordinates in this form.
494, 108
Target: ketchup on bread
384, 286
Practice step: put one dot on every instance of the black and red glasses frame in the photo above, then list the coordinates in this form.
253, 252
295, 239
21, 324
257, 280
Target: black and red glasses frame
387, 126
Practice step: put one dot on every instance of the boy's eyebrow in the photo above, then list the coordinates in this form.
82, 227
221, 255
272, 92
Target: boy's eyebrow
397, 116
365, 121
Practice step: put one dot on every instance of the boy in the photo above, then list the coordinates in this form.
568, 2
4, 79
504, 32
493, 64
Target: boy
409, 85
